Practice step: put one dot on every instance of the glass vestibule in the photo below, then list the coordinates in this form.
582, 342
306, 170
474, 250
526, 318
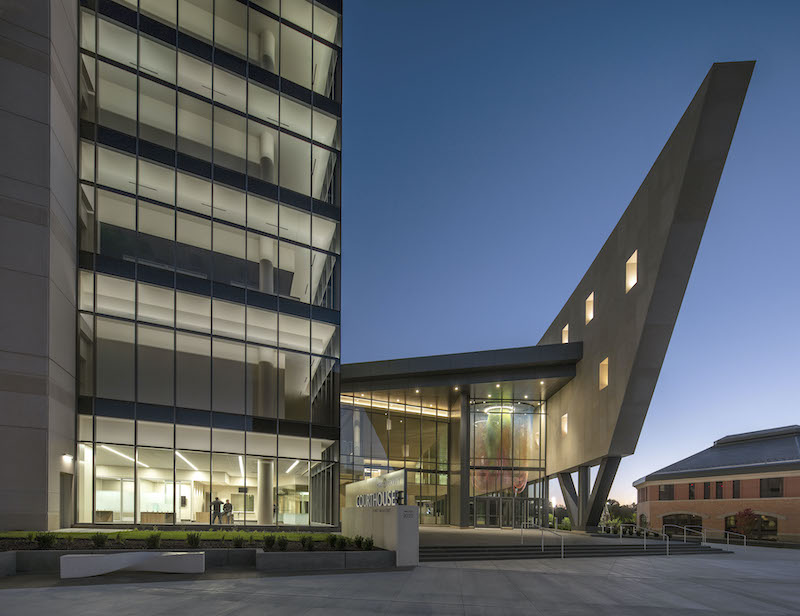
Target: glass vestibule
507, 461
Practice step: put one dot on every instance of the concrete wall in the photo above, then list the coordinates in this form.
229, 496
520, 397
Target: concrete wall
664, 223
38, 163
392, 528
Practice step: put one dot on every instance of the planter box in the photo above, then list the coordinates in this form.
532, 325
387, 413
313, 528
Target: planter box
324, 561
8, 563
46, 561
90, 565
376, 559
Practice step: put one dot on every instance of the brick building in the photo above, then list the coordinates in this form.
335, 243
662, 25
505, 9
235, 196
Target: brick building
756, 470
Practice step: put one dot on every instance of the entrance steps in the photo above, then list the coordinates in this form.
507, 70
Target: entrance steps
571, 550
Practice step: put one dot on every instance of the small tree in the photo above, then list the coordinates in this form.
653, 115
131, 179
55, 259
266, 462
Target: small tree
746, 521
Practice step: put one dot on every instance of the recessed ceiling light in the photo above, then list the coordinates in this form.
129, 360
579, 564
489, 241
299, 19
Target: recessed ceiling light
490, 395
455, 388
526, 397
417, 391
541, 382
398, 399
498, 385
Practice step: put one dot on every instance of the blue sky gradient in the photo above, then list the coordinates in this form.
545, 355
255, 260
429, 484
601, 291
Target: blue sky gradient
490, 148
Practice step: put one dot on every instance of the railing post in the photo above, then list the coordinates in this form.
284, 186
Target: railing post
562, 548
542, 531
745, 542
727, 539
667, 536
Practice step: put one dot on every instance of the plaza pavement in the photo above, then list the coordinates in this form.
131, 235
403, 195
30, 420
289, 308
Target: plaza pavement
758, 581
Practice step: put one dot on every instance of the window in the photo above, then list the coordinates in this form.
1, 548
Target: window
565, 423
718, 490
631, 271
603, 373
772, 487
707, 490
737, 488
565, 334
666, 492
590, 307
691, 491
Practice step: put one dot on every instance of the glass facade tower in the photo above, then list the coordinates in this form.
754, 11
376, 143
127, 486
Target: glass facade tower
209, 237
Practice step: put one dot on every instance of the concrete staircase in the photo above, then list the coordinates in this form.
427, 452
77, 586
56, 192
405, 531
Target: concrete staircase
571, 550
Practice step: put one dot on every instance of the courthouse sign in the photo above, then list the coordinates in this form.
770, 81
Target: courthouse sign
387, 490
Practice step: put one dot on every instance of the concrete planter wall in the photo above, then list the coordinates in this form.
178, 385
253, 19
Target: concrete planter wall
324, 561
48, 561
45, 561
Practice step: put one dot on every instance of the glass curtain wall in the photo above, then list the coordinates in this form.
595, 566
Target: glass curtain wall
507, 460
383, 431
209, 228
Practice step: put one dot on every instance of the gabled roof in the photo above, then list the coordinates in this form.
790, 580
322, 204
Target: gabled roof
750, 452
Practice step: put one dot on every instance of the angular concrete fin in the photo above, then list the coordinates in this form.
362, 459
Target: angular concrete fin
631, 327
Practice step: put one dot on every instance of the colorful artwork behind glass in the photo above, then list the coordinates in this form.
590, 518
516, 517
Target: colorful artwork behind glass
503, 434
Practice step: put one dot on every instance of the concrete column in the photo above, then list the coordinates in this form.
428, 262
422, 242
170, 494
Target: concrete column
584, 476
267, 258
264, 506
268, 48
464, 442
267, 156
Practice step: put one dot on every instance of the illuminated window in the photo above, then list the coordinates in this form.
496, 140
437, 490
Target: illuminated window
590, 307
565, 334
604, 373
565, 423
631, 271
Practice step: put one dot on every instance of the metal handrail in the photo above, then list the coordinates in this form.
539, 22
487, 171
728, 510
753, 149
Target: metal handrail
727, 535
685, 528
542, 528
642, 528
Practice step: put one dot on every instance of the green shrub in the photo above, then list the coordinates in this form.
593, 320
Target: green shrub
69, 539
341, 542
153, 541
99, 540
45, 541
251, 539
566, 524
368, 543
269, 541
193, 540
307, 541
120, 538
31, 536
358, 540
331, 539
238, 540
283, 543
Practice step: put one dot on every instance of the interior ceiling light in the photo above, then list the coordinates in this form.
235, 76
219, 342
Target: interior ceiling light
526, 396
498, 385
541, 382
122, 455
416, 391
182, 457
455, 388
241, 466
295, 463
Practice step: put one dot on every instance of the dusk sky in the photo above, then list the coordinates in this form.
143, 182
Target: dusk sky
490, 148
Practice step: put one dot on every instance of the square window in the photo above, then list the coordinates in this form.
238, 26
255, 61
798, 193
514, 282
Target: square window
590, 307
631, 271
604, 373
565, 334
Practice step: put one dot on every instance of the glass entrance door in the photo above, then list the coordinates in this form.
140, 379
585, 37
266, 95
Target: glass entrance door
507, 512
487, 512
